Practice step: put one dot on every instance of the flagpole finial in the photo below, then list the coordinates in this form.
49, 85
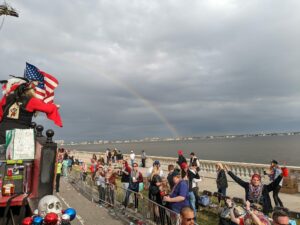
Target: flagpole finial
49, 134
39, 130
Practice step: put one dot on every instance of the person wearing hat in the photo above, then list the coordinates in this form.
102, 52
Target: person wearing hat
181, 158
255, 191
179, 196
156, 163
195, 160
154, 192
273, 173
191, 176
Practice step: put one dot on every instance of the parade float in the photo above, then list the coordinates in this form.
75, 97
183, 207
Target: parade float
27, 157
27, 186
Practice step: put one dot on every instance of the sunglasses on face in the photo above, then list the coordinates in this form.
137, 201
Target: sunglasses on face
189, 219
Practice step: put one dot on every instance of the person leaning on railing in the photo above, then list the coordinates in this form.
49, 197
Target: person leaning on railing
110, 178
136, 178
154, 193
125, 176
255, 191
100, 182
179, 196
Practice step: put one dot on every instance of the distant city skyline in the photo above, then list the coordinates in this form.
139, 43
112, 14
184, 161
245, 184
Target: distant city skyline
154, 139
161, 68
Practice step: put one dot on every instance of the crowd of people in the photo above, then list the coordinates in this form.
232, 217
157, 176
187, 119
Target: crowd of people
178, 190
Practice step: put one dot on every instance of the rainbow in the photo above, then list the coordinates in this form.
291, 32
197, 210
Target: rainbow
146, 103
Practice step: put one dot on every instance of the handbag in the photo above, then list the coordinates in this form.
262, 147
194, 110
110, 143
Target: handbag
204, 200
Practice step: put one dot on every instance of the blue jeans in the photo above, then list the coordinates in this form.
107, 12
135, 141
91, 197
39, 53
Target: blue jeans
192, 201
132, 161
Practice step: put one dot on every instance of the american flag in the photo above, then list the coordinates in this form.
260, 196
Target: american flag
46, 83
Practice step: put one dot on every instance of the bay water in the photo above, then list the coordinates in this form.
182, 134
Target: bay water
256, 149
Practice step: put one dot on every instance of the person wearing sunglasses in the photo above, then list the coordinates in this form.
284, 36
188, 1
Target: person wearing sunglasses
280, 217
136, 178
187, 216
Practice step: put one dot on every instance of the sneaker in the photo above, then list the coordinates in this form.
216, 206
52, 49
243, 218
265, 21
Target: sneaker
135, 210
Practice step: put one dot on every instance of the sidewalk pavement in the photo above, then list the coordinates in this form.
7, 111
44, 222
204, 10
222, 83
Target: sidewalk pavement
88, 213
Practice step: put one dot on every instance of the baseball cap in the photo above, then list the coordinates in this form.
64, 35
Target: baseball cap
156, 162
184, 165
176, 172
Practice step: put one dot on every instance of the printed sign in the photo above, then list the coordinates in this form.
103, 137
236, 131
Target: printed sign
20, 144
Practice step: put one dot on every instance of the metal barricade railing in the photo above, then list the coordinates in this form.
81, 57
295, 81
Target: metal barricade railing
125, 203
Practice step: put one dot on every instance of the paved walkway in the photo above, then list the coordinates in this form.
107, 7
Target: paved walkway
88, 213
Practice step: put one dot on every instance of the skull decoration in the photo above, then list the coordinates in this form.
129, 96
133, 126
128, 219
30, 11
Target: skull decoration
49, 203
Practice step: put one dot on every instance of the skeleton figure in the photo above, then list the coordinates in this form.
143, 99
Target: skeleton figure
49, 203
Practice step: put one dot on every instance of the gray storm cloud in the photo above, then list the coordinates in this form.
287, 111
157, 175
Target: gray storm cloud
127, 69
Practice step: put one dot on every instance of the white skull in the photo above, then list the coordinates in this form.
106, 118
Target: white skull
49, 203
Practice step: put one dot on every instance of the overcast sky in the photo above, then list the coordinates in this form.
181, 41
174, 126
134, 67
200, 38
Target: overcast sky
140, 68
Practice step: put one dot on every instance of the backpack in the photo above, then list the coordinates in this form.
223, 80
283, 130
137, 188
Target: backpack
204, 200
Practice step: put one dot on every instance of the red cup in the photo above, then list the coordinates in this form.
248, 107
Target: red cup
9, 172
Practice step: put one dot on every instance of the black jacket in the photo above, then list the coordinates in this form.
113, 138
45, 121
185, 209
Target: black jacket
15, 115
181, 159
170, 180
191, 176
265, 200
154, 192
222, 180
